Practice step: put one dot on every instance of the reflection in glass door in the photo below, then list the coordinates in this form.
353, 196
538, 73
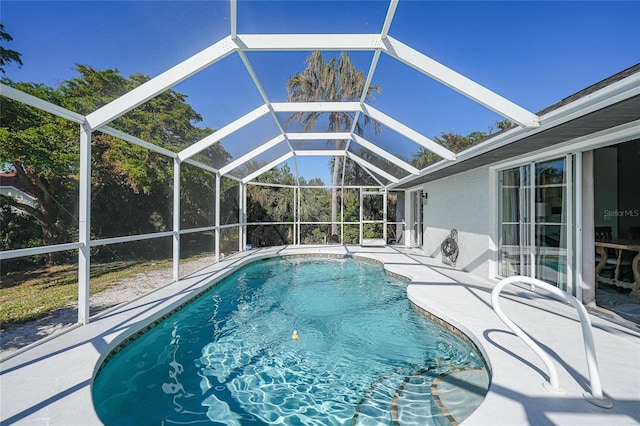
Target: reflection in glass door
415, 219
515, 227
536, 209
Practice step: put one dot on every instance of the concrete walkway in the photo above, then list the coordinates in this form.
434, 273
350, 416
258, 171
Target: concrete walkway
50, 384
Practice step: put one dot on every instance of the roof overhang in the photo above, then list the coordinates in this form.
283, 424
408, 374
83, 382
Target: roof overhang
603, 107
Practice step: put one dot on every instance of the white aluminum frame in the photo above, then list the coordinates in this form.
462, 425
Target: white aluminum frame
382, 42
235, 43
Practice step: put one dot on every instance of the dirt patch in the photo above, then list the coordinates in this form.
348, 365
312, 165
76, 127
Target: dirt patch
16, 336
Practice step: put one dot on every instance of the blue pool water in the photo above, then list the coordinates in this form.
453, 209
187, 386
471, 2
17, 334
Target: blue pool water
363, 355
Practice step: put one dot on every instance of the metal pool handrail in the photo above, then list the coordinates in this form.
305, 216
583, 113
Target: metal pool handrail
596, 396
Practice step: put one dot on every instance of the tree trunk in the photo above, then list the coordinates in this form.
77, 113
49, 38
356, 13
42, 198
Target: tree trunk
54, 231
46, 213
53, 235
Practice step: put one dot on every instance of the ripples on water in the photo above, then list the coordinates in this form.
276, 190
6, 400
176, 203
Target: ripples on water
363, 355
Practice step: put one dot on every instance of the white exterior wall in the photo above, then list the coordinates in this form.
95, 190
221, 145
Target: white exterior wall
465, 202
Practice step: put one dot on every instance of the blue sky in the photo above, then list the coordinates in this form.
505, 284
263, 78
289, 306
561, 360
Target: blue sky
533, 53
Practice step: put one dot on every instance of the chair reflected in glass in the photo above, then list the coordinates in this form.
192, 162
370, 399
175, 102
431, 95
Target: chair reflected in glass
617, 266
603, 233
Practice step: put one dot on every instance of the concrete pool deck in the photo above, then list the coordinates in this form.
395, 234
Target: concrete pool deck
50, 383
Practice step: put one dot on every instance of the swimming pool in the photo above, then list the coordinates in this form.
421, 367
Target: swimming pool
363, 356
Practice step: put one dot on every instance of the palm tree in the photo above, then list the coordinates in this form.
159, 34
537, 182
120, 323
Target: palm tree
336, 80
7, 55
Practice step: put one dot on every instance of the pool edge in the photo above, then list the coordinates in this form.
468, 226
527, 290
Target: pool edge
133, 332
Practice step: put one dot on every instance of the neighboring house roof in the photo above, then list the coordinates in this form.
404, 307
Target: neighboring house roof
592, 89
8, 179
10, 186
612, 102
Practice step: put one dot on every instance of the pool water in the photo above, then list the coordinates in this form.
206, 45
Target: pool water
363, 355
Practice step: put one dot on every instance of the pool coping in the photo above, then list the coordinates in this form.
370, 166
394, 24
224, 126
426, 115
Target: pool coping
68, 362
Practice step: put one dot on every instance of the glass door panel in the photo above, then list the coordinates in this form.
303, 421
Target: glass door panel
534, 221
515, 250
551, 220
416, 219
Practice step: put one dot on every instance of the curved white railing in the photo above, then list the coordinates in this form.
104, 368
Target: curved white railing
596, 396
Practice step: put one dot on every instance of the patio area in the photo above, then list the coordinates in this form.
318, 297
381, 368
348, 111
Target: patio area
51, 382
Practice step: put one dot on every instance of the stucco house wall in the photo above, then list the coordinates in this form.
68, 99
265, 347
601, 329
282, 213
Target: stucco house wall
465, 202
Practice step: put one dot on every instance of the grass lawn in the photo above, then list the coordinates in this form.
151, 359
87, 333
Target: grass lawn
25, 296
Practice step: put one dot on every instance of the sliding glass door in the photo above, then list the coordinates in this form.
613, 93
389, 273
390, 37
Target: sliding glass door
515, 224
415, 219
536, 221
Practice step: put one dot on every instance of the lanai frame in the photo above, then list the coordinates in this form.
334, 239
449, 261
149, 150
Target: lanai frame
239, 44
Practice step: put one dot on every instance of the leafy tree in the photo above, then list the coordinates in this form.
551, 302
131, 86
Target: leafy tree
270, 204
44, 150
335, 80
229, 204
7, 55
315, 206
453, 141
356, 175
500, 126
456, 143
267, 203
18, 230
198, 197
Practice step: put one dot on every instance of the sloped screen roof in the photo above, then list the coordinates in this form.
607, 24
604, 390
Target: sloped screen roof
344, 120
235, 66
